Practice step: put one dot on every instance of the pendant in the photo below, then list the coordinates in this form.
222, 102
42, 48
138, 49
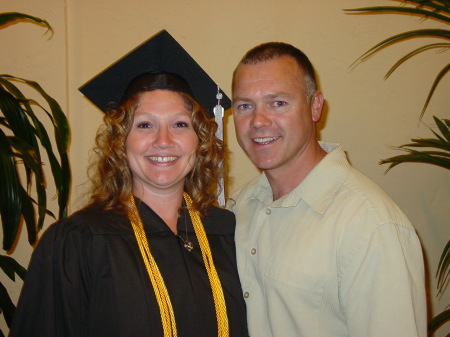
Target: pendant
188, 245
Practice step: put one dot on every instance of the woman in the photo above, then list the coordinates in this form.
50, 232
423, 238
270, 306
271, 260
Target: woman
150, 255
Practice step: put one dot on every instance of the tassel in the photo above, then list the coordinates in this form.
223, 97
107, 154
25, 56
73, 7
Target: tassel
218, 115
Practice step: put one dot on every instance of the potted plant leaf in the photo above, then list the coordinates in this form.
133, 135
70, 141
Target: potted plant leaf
23, 139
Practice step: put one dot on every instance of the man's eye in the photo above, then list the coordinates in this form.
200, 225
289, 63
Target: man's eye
279, 103
244, 106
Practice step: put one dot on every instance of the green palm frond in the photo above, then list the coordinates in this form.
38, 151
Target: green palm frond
419, 33
10, 267
10, 196
436, 82
434, 10
61, 172
429, 157
441, 142
442, 273
442, 46
439, 321
7, 307
28, 134
7, 18
421, 11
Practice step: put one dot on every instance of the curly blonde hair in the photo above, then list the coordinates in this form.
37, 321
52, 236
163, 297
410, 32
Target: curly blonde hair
112, 179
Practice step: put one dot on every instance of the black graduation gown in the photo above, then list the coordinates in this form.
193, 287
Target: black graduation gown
87, 278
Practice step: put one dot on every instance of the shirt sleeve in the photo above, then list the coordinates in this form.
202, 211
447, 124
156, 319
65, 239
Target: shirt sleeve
382, 288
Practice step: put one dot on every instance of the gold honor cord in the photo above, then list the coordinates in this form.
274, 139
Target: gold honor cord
162, 295
216, 286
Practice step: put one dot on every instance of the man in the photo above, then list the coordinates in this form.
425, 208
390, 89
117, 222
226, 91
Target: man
322, 250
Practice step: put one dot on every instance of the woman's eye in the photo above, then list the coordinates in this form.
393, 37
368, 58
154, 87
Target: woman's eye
181, 124
144, 125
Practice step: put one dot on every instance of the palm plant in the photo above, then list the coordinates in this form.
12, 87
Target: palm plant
22, 135
441, 143
435, 10
440, 155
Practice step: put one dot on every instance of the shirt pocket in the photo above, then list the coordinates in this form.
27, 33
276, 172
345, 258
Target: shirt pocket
292, 292
295, 278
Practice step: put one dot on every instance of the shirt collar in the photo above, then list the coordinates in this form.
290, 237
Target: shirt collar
319, 186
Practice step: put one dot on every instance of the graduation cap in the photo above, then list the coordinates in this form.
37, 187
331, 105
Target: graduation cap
160, 53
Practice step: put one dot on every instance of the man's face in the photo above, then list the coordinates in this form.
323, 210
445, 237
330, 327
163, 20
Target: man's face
275, 123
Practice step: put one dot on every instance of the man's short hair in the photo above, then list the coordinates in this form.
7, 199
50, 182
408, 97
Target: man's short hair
273, 50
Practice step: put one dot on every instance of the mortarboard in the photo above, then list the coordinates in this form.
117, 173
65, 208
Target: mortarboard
159, 53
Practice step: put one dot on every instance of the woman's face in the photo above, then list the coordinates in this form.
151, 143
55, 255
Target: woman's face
161, 145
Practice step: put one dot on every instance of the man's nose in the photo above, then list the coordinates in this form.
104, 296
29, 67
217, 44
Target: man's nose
260, 118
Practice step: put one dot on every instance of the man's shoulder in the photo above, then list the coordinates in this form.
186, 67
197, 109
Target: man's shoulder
354, 190
371, 198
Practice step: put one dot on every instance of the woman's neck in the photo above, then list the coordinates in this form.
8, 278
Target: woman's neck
166, 205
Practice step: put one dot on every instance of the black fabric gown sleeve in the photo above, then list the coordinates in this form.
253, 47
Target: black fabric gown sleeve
40, 308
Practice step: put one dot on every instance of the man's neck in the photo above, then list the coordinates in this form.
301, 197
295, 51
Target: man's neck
284, 179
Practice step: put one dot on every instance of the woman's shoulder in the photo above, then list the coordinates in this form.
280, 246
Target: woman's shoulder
92, 220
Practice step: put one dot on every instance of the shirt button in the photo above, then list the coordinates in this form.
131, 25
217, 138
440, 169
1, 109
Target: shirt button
253, 251
246, 294
268, 211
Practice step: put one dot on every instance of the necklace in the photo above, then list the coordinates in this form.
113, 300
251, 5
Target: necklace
157, 281
186, 243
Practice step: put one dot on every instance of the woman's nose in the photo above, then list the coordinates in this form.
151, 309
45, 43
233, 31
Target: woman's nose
163, 138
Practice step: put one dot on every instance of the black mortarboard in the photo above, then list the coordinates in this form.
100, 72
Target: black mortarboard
160, 53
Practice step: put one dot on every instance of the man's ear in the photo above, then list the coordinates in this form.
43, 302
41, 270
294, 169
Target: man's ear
317, 106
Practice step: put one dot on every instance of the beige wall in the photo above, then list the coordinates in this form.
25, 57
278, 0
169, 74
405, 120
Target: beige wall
364, 112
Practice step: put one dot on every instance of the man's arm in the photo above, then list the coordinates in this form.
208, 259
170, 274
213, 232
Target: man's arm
382, 287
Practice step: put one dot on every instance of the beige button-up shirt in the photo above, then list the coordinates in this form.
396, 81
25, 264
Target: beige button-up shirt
335, 257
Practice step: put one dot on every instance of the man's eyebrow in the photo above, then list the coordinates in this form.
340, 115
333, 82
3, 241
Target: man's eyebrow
277, 95
241, 99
